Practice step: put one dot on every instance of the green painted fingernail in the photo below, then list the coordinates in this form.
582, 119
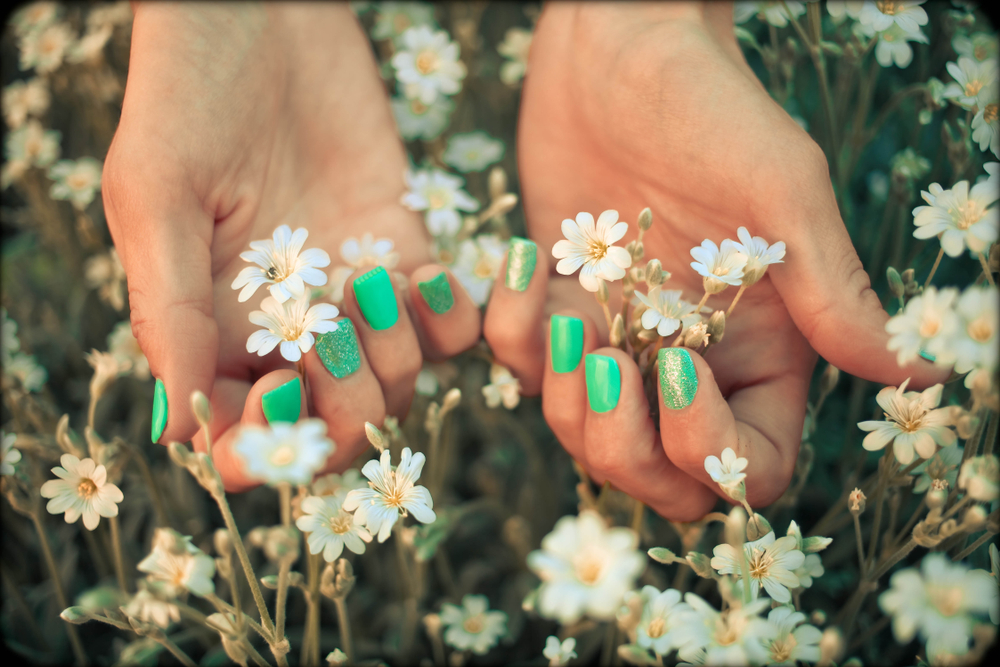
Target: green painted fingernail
437, 293
678, 377
159, 410
338, 349
604, 382
566, 334
520, 263
284, 403
377, 299
927, 355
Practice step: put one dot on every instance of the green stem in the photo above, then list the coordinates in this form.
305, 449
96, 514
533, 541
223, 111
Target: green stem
861, 546
154, 490
183, 657
50, 561
934, 268
285, 566
983, 539
116, 548
310, 644
902, 553
344, 623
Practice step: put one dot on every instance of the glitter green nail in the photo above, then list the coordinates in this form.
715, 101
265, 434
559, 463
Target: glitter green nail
338, 350
437, 293
520, 263
678, 377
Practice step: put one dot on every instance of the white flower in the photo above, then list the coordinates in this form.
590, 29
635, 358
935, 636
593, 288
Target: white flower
393, 492
840, 8
290, 324
559, 654
974, 344
771, 12
811, 568
659, 620
941, 601
477, 265
719, 266
427, 383
736, 636
586, 568
728, 472
472, 151
29, 373
394, 18
978, 46
77, 181
328, 485
106, 274
514, 47
330, 528
283, 264
179, 564
417, 120
83, 490
25, 98
284, 452
33, 145
942, 467
148, 608
590, 248
35, 17
441, 195
771, 564
759, 255
881, 14
980, 477
472, 627
893, 44
427, 64
791, 644
666, 311
9, 455
970, 76
911, 423
364, 254
123, 346
927, 318
90, 47
503, 387
985, 130
45, 49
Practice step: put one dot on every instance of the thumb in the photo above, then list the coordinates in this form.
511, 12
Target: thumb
163, 236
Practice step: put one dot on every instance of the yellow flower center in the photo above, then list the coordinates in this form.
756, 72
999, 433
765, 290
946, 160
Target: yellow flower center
427, 61
720, 271
972, 88
656, 628
929, 327
588, 567
436, 199
78, 181
725, 634
760, 564
50, 44
483, 268
980, 329
781, 649
282, 456
597, 248
948, 600
418, 107
967, 215
888, 7
393, 493
32, 146
341, 524
990, 113
474, 624
911, 419
86, 489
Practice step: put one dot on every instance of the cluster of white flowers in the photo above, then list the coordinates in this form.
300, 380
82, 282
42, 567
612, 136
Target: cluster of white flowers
17, 364
892, 24
428, 71
502, 388
178, 566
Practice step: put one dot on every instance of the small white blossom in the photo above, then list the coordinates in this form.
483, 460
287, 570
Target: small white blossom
76, 181
148, 608
719, 266
473, 627
727, 472
441, 195
417, 120
974, 345
503, 388
759, 255
83, 490
811, 568
666, 311
34, 17
514, 47
290, 325
737, 636
472, 151
284, 452
662, 613
394, 18
45, 49
427, 383
364, 254
772, 12
927, 318
393, 492
30, 145
478, 264
123, 346
942, 467
9, 455
589, 248
330, 528
978, 46
427, 64
985, 126
882, 14
980, 478
106, 274
559, 654
913, 423
893, 46
178, 564
794, 640
29, 373
282, 264
586, 568
772, 563
22, 99
970, 76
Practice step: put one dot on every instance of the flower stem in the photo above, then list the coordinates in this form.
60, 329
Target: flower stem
902, 553
736, 298
344, 623
310, 644
50, 561
638, 510
957, 506
986, 270
861, 543
934, 268
701, 303
116, 548
983, 539
281, 602
154, 491
174, 649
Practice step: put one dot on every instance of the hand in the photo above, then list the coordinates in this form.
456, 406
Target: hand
237, 119
652, 104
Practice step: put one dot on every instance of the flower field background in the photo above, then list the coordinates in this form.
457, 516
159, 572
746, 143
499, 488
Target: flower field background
467, 535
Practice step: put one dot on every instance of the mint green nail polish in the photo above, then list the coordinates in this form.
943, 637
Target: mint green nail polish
377, 299
604, 382
159, 410
437, 293
678, 377
928, 356
283, 403
566, 334
520, 263
338, 350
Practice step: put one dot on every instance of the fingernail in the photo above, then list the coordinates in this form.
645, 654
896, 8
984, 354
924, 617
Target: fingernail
159, 410
377, 299
678, 378
604, 382
283, 403
566, 334
437, 293
338, 349
928, 356
520, 263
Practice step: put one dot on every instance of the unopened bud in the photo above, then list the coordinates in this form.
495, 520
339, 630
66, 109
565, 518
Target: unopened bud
713, 285
502, 205
662, 555
344, 580
757, 527
700, 563
645, 219
451, 400
75, 615
856, 501
831, 647
201, 408
696, 335
375, 436
966, 426
896, 286
974, 518
936, 498
65, 439
179, 454
638, 250
654, 273
336, 658
818, 617
497, 182
617, 335
907, 277
602, 292
827, 381
648, 335
432, 622
716, 326
208, 476
223, 542
736, 527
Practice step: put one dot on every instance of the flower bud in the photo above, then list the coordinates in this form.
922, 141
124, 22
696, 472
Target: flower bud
827, 382
818, 617
896, 286
602, 292
716, 326
856, 501
645, 219
75, 615
654, 273
65, 439
201, 408
736, 527
936, 498
907, 277
223, 543
662, 555
617, 335
344, 579
207, 475
757, 527
648, 335
966, 426
696, 335
700, 563
432, 622
497, 182
713, 285
831, 647
451, 400
974, 518
336, 657
638, 251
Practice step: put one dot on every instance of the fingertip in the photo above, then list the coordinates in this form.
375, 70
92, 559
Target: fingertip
448, 321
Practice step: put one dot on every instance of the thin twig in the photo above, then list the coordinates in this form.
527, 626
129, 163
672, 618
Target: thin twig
50, 561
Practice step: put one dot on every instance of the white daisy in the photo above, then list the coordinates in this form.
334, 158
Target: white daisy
427, 64
364, 254
45, 49
719, 266
148, 608
22, 99
330, 528
90, 46
123, 346
590, 248
178, 564
559, 653
794, 640
393, 492
985, 130
34, 17
472, 151
282, 264
660, 619
978, 46
477, 265
727, 472
771, 12
772, 563
284, 451
290, 325
759, 255
980, 477
942, 467
441, 195
586, 568
32, 145
881, 14
811, 568
76, 181
911, 423
394, 18
83, 490
9, 455
514, 48
927, 318
473, 627
736, 636
106, 274
974, 344
970, 76
893, 46
942, 602
666, 311
417, 120
503, 388
28, 372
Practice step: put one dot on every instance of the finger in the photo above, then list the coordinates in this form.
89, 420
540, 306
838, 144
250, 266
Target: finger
623, 446
762, 422
374, 303
448, 322
514, 316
